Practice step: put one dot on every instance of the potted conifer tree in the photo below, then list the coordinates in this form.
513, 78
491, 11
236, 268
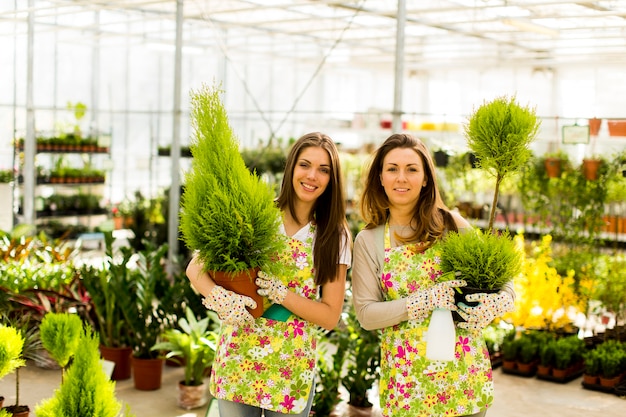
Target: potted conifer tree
86, 389
499, 133
11, 344
228, 214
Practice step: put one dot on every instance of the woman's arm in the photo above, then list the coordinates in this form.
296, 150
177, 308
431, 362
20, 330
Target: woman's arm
199, 279
326, 311
367, 296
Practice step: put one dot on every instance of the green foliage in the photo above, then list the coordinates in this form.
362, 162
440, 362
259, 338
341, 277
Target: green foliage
499, 133
11, 344
193, 344
570, 207
328, 376
228, 214
105, 283
485, 260
611, 286
362, 359
86, 390
568, 351
60, 334
144, 314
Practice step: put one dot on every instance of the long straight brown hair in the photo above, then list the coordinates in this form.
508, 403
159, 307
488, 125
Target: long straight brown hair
431, 215
329, 211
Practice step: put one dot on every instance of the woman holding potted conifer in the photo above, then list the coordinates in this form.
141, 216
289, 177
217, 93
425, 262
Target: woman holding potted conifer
275, 365
396, 287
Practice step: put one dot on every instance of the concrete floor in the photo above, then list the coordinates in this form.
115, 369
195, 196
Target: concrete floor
515, 396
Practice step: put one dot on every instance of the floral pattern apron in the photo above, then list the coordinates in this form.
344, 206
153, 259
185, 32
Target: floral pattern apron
271, 364
410, 384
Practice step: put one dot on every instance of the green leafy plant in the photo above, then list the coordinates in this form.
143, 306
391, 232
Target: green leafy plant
86, 390
485, 260
193, 345
363, 360
105, 284
141, 306
499, 133
228, 214
328, 371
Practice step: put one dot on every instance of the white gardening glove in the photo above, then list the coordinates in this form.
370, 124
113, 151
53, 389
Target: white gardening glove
441, 295
230, 306
271, 288
489, 307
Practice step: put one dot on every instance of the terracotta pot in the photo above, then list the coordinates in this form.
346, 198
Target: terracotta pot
553, 167
527, 368
616, 127
590, 168
594, 126
560, 373
510, 365
147, 373
190, 397
1, 401
18, 410
544, 370
610, 382
121, 357
241, 283
590, 379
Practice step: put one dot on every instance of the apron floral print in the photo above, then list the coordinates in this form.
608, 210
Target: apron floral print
410, 384
271, 364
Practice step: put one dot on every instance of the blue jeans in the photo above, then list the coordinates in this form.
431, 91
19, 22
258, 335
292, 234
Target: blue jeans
233, 409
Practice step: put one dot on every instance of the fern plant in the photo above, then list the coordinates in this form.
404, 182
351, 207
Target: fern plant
228, 213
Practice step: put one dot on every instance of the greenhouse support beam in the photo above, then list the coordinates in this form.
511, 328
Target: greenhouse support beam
29, 140
396, 122
172, 231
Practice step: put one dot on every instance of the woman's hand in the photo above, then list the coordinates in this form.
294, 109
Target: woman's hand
271, 288
441, 295
229, 306
489, 307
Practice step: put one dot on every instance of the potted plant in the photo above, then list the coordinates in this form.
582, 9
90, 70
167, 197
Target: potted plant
105, 284
228, 214
144, 315
591, 374
528, 354
499, 133
363, 359
546, 358
329, 368
86, 389
11, 344
60, 334
193, 345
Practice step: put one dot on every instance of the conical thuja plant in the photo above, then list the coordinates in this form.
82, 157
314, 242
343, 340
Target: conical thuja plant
60, 335
499, 133
86, 390
228, 214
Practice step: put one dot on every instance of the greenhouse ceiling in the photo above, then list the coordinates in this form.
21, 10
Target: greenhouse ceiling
358, 33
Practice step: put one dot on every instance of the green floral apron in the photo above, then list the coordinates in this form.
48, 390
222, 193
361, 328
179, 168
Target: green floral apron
271, 364
410, 384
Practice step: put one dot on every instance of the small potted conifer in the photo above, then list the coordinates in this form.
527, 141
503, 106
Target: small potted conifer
228, 215
499, 133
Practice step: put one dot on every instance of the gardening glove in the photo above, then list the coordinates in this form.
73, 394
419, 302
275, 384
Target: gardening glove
489, 307
271, 288
230, 306
441, 295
